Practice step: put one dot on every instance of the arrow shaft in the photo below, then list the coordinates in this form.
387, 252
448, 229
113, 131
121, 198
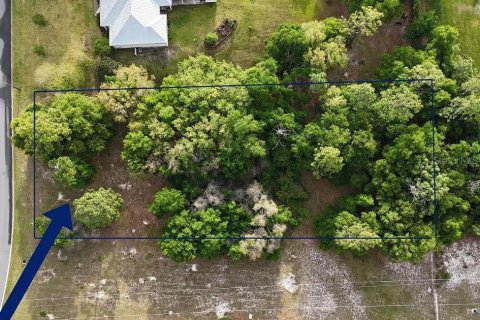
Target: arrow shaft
30, 271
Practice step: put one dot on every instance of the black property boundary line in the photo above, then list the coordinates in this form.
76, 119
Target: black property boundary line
284, 84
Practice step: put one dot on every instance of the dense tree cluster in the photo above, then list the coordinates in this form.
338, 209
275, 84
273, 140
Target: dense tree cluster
398, 185
313, 47
222, 221
196, 130
233, 147
68, 130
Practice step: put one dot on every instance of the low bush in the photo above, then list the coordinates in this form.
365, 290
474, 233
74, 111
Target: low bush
39, 20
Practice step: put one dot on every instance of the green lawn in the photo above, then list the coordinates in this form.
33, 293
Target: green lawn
465, 15
257, 19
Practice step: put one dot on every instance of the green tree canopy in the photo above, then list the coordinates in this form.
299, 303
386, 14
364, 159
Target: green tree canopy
98, 208
196, 130
71, 125
121, 103
167, 201
287, 46
71, 172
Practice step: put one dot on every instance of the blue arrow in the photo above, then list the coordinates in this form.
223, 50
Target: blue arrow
60, 217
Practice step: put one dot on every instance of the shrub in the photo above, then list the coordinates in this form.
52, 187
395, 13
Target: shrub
211, 39
105, 67
39, 50
98, 209
70, 172
41, 225
39, 20
167, 201
101, 47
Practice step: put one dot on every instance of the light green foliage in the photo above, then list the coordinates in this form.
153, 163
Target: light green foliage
459, 209
211, 39
351, 227
71, 172
342, 137
336, 53
167, 201
98, 209
327, 161
121, 103
196, 131
462, 68
364, 22
136, 150
71, 125
389, 8
62, 241
444, 43
466, 106
397, 105
101, 47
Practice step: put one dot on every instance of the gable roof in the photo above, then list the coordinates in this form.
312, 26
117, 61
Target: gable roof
135, 23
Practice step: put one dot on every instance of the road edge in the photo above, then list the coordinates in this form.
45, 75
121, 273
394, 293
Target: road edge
12, 202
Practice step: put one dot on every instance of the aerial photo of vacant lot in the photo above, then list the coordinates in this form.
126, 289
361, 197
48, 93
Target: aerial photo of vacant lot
315, 185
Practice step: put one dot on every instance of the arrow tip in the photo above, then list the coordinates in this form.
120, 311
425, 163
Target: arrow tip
61, 215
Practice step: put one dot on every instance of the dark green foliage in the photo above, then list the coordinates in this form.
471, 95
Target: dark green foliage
39, 50
71, 172
105, 67
167, 201
287, 46
393, 64
101, 47
40, 20
421, 27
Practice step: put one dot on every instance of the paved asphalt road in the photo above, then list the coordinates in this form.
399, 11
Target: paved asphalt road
5, 147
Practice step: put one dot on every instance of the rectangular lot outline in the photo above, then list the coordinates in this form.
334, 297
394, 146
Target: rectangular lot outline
431, 89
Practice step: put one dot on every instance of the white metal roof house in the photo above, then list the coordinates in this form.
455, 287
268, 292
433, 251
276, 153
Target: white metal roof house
138, 23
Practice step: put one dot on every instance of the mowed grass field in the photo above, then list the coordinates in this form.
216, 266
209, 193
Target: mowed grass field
71, 29
257, 19
465, 15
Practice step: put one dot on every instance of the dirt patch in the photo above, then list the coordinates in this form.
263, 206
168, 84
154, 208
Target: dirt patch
136, 191
322, 193
366, 51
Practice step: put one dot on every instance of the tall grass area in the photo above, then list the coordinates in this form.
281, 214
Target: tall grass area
67, 37
465, 15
